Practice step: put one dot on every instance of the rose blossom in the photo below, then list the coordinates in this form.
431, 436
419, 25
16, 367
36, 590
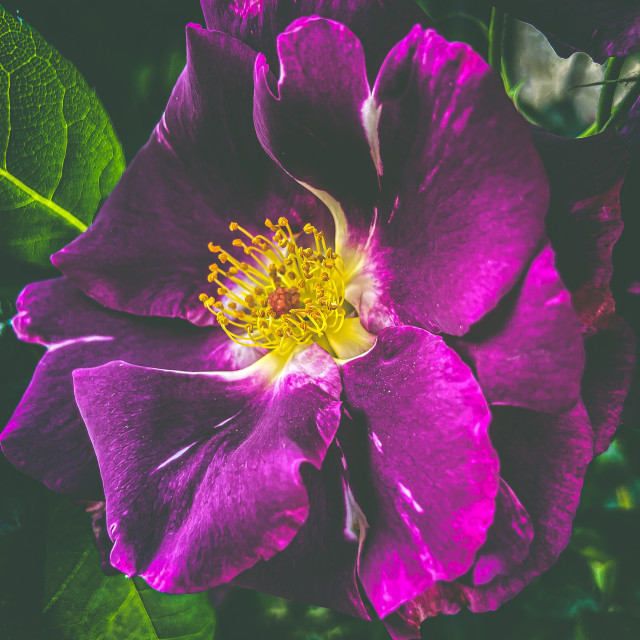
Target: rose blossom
393, 390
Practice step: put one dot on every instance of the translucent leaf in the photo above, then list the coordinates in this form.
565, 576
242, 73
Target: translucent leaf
59, 155
82, 603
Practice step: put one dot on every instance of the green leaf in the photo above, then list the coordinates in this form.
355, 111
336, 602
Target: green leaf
248, 615
59, 155
21, 498
82, 603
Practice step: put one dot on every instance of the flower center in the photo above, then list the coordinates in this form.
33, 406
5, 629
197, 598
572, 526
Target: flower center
287, 295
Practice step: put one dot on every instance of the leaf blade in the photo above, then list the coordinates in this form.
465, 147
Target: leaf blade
82, 603
59, 154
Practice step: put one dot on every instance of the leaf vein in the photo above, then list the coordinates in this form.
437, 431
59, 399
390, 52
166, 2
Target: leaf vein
55, 208
68, 579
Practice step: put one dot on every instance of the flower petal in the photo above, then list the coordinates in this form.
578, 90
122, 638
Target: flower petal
584, 220
508, 540
378, 24
607, 379
529, 352
319, 565
584, 224
429, 491
601, 28
544, 459
202, 471
580, 168
312, 123
203, 168
465, 193
46, 437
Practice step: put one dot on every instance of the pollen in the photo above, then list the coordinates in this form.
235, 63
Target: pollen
283, 300
282, 294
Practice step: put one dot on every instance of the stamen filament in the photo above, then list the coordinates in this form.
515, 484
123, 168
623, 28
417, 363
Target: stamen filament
292, 295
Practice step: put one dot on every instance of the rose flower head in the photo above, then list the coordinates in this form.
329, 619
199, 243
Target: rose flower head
344, 371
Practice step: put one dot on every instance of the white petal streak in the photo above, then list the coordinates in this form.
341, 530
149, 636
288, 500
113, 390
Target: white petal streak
370, 115
175, 456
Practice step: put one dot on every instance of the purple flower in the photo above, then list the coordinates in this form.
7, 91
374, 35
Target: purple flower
602, 28
377, 395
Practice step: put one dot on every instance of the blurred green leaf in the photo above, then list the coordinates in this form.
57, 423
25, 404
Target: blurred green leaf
82, 603
59, 155
21, 553
21, 499
248, 615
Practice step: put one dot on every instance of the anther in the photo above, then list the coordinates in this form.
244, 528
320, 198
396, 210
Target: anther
275, 316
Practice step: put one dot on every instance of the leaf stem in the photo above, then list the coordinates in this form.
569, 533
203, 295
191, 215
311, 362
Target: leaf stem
621, 110
605, 104
496, 32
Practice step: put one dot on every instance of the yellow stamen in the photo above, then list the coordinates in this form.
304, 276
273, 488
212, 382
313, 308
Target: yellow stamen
289, 296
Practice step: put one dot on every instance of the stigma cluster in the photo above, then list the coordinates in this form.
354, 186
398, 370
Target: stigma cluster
283, 295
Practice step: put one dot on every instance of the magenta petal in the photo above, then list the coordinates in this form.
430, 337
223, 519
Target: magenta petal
441, 597
580, 168
203, 168
319, 565
202, 472
530, 353
544, 459
607, 379
429, 492
508, 540
379, 24
584, 220
465, 193
311, 123
46, 437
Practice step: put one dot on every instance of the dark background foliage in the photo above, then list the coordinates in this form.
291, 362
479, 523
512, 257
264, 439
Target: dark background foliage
131, 52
